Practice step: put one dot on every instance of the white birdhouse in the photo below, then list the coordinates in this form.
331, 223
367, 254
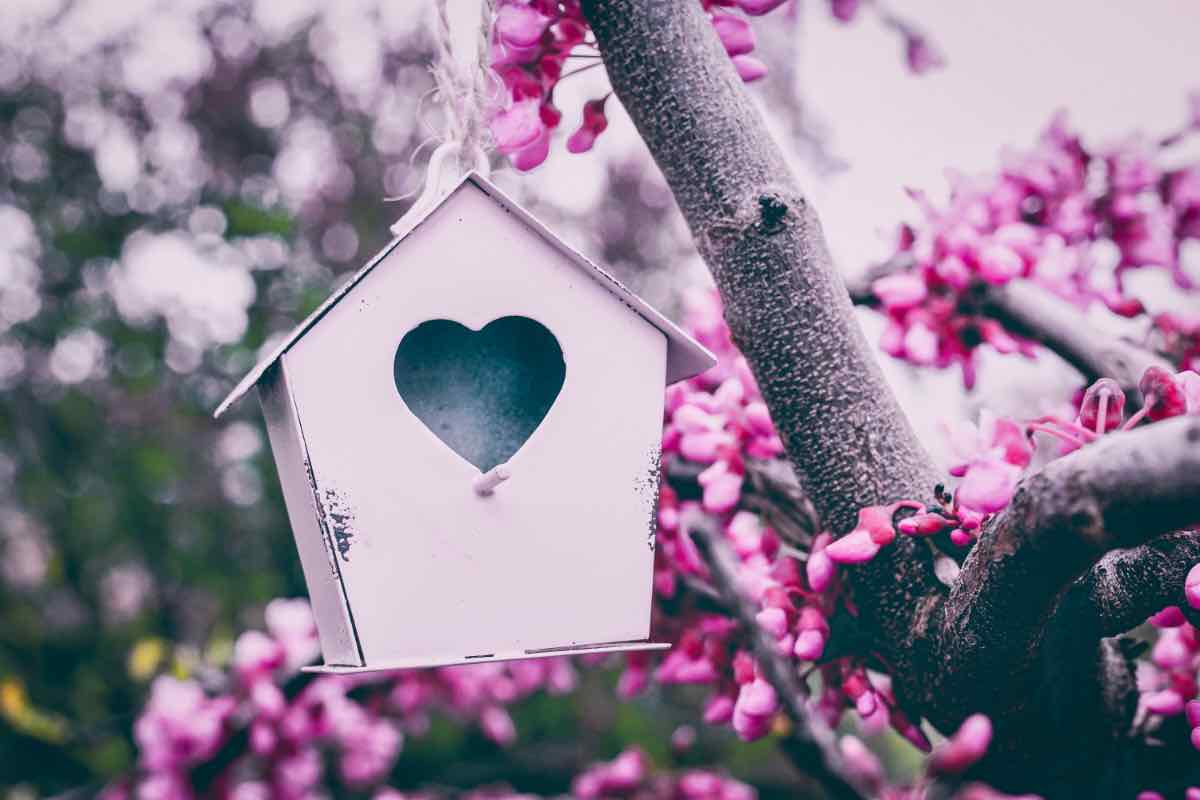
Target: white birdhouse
467, 434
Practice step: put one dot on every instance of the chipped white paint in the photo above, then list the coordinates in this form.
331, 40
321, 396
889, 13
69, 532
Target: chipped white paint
427, 569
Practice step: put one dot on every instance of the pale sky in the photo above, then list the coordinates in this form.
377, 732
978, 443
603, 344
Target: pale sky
1114, 66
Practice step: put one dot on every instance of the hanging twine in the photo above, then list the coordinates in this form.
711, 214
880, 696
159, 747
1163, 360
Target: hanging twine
465, 91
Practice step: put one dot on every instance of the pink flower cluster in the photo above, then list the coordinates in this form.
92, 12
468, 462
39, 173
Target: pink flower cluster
630, 775
716, 427
533, 42
290, 722
1072, 220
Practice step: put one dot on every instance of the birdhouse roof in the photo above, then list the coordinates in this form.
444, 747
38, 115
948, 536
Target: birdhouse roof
685, 356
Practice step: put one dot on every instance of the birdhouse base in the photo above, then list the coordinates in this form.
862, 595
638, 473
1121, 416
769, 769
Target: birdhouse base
451, 661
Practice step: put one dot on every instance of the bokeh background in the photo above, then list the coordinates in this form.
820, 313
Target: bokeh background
180, 182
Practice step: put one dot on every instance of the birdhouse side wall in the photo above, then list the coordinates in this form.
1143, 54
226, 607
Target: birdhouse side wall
339, 644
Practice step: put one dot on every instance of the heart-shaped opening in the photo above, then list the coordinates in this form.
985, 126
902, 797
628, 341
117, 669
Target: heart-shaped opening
483, 393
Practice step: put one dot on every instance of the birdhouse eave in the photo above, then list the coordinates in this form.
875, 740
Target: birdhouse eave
685, 356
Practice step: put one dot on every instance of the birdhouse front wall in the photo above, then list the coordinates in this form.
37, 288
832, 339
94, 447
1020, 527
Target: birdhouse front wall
561, 554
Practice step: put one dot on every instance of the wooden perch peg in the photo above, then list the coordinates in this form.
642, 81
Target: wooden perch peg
486, 483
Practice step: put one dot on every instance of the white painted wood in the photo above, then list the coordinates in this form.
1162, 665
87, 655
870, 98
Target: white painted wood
321, 573
420, 663
486, 483
685, 356
562, 554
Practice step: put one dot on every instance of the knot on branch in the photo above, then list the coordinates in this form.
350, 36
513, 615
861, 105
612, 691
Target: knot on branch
772, 213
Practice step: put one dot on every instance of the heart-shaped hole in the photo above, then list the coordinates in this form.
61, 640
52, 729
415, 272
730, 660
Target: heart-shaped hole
483, 393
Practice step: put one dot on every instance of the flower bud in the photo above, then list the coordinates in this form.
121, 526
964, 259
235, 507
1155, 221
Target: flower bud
1191, 587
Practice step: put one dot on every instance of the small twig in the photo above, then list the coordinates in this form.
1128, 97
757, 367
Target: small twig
1036, 314
811, 744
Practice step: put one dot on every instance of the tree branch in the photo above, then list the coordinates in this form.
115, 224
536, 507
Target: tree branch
1036, 314
1127, 586
1123, 491
786, 306
810, 744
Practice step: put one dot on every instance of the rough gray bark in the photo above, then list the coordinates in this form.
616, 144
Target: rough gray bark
786, 306
844, 434
1122, 491
1029, 311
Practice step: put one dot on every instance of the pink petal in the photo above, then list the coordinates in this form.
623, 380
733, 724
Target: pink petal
757, 698
901, 290
773, 621
758, 7
1191, 587
988, 485
518, 127
999, 264
1167, 702
856, 547
520, 25
736, 34
749, 68
809, 645
819, 570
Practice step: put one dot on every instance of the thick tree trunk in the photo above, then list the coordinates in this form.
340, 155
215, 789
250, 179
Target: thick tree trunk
785, 304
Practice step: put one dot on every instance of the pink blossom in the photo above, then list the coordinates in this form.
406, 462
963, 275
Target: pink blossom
256, 655
965, 747
749, 68
736, 34
533, 154
1166, 702
517, 127
820, 568
756, 704
680, 666
773, 621
1103, 406
856, 547
988, 485
180, 726
291, 622
812, 632
759, 7
999, 264
722, 488
844, 10
1191, 587
921, 55
1163, 394
925, 524
594, 123
497, 725
520, 25
921, 344
718, 709
1169, 617
860, 761
900, 290
990, 458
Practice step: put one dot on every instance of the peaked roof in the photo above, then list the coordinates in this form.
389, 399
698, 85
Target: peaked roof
685, 356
